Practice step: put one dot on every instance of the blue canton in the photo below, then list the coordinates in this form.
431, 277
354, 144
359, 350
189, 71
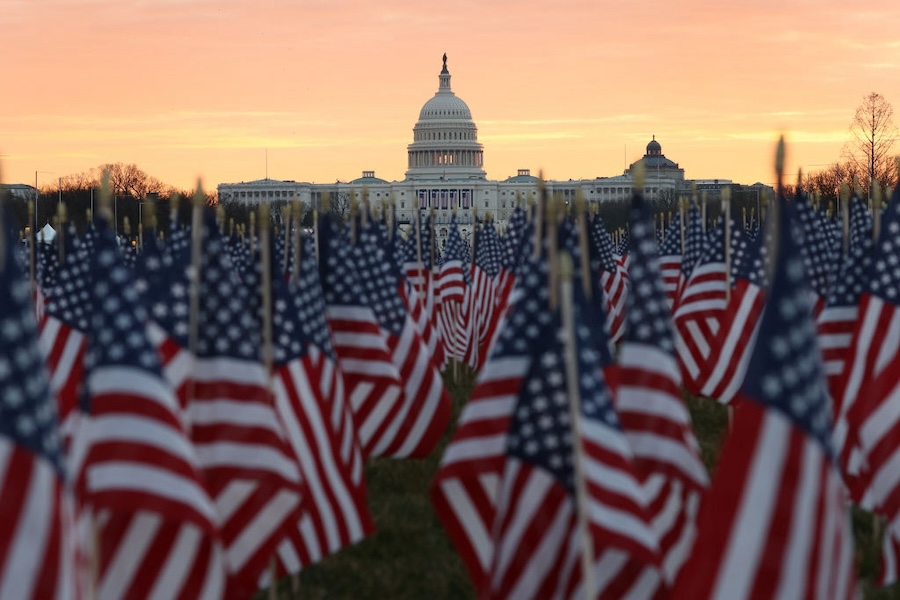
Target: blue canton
648, 320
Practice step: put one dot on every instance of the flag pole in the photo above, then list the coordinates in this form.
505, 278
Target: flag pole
726, 210
297, 242
571, 360
196, 256
539, 216
60, 240
583, 243
266, 297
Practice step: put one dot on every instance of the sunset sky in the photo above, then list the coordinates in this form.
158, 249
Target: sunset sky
203, 88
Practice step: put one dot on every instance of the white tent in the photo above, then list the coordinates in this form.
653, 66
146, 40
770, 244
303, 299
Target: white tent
47, 234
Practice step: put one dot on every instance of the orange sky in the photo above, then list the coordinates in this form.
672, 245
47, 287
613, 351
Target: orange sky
188, 88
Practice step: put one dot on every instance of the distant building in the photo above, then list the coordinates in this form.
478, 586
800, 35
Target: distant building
19, 190
445, 171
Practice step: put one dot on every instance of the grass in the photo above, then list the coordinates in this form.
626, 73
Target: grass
410, 557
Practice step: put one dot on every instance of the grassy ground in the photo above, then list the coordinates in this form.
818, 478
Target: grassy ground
410, 557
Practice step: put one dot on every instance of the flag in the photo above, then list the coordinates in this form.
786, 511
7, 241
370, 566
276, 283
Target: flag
135, 470
732, 346
670, 259
309, 396
821, 252
36, 559
505, 488
373, 380
699, 306
775, 522
651, 409
63, 329
868, 427
838, 319
416, 422
452, 284
239, 439
613, 277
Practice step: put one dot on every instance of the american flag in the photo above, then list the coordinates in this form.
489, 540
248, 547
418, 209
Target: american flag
373, 380
504, 491
486, 302
613, 277
63, 329
653, 414
134, 467
699, 307
239, 439
35, 551
732, 346
775, 522
868, 395
452, 284
309, 395
838, 319
670, 260
418, 420
821, 255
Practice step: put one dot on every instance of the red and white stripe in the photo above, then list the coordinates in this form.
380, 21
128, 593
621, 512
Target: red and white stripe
465, 490
310, 400
835, 325
658, 429
732, 347
780, 526
373, 380
62, 349
146, 555
670, 268
415, 423
697, 313
615, 289
36, 553
868, 423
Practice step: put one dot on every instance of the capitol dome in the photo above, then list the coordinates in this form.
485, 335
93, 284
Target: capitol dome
445, 140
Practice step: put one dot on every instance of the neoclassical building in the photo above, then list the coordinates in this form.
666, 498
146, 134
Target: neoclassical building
445, 171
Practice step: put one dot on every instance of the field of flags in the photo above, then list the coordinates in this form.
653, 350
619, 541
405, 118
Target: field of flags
192, 417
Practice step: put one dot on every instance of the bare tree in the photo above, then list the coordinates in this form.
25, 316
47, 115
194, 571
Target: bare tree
129, 180
874, 134
340, 204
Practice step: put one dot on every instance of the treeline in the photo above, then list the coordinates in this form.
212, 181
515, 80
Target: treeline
137, 197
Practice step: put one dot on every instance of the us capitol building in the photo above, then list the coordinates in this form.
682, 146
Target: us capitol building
445, 171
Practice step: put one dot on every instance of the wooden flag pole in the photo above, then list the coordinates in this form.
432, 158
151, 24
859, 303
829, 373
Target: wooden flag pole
267, 350
726, 210
572, 385
681, 207
196, 260
32, 238
581, 220
252, 232
297, 242
286, 217
539, 215
61, 230
419, 266
552, 252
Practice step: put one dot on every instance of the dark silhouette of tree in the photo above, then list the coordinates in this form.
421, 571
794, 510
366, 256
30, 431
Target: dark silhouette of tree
874, 133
